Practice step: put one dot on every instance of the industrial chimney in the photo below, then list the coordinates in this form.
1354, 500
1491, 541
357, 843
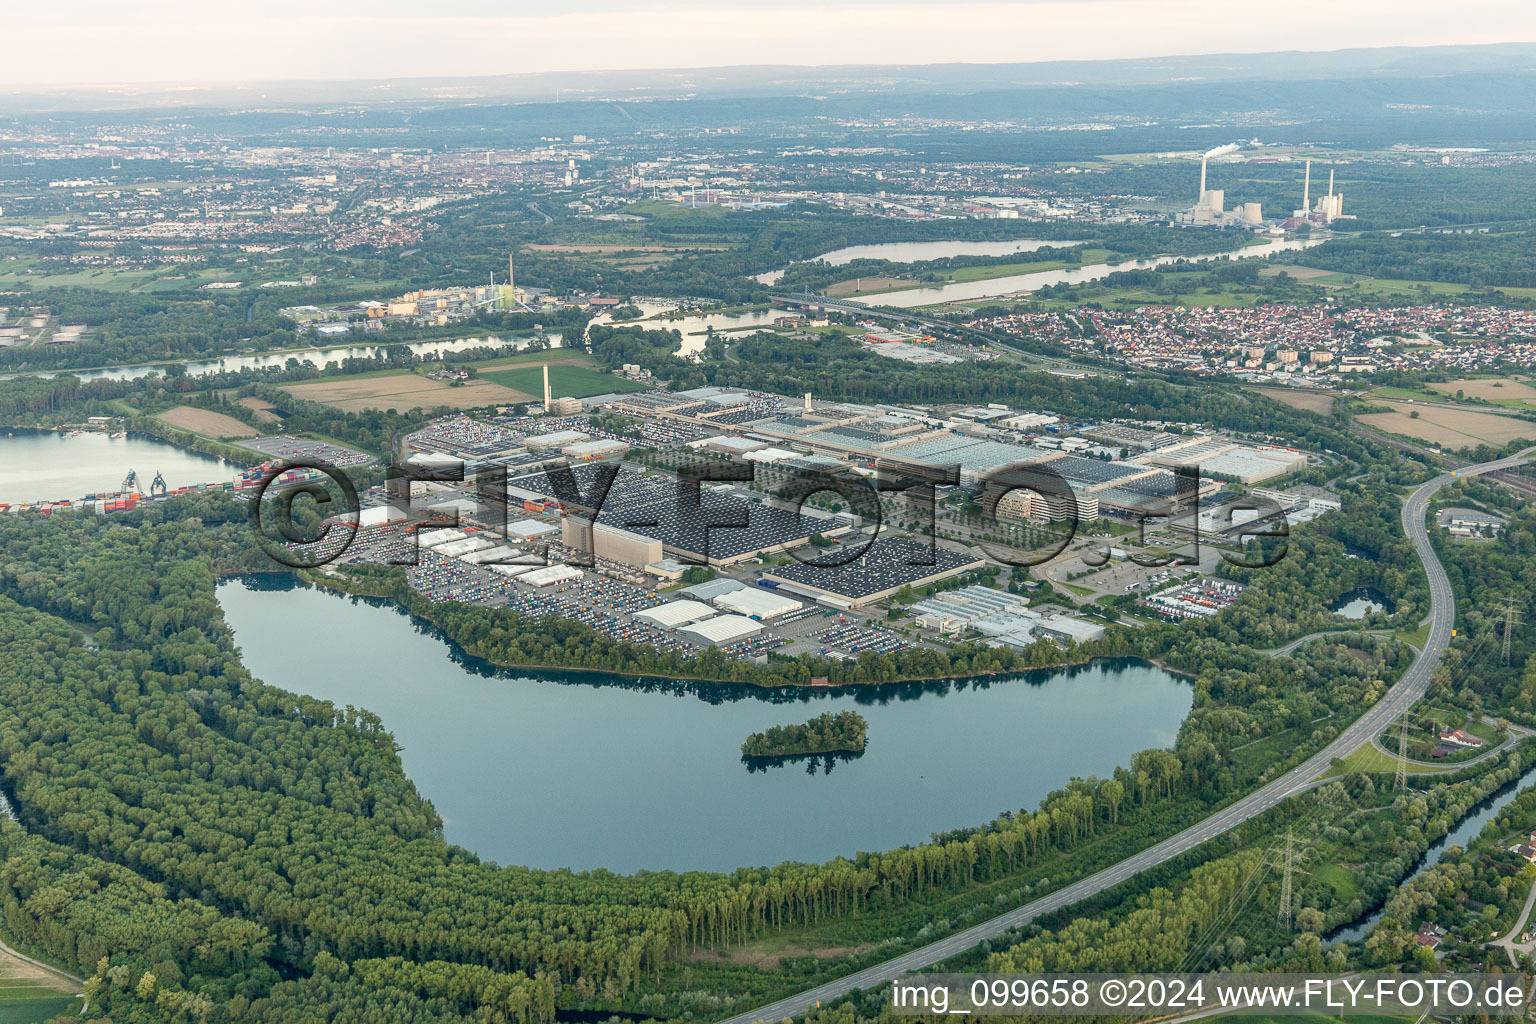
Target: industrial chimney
549, 402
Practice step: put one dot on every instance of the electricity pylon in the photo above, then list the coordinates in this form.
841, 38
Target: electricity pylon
1288, 868
1401, 782
1511, 617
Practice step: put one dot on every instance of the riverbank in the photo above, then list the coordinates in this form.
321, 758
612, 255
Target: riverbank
742, 673
57, 467
495, 748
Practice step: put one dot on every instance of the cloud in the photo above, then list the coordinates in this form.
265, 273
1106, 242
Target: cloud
93, 41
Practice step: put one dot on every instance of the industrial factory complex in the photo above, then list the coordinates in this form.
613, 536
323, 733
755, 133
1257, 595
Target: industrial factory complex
1210, 209
699, 533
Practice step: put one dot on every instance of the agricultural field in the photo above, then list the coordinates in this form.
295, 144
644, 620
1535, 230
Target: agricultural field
206, 422
1305, 399
1448, 428
169, 277
566, 380
403, 391
1291, 270
1380, 287
871, 286
262, 408
1505, 391
31, 994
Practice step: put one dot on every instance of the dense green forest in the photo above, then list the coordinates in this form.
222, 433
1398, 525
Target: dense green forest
827, 733
1501, 259
200, 791
161, 327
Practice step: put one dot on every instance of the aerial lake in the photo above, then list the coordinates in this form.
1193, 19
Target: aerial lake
316, 357
1358, 603
966, 291
560, 769
45, 465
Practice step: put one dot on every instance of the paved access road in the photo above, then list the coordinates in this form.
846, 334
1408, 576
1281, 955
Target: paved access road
1404, 694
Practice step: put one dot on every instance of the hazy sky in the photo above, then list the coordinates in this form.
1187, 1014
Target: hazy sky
64, 42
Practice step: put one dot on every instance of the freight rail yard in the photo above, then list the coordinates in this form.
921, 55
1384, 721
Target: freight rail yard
758, 524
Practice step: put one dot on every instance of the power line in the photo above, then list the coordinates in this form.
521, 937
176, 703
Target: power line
1288, 869
1511, 616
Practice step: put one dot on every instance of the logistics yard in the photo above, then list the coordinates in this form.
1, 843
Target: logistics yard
600, 527
708, 545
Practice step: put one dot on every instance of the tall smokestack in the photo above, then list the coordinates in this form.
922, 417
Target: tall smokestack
511, 284
549, 402
1202, 178
1306, 190
807, 401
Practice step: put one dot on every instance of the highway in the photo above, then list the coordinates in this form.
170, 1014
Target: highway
1404, 693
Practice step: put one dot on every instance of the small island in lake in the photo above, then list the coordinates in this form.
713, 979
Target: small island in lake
827, 733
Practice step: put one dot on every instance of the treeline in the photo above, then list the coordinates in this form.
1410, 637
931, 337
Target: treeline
1503, 259
154, 750
128, 327
375, 431
1224, 911
37, 396
1490, 577
827, 733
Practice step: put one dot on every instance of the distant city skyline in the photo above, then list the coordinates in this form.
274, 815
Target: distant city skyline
93, 42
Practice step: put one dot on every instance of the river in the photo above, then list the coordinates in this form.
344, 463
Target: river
966, 291
316, 357
555, 769
1464, 832
912, 252
45, 465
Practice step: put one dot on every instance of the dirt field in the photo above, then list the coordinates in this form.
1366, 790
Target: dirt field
262, 408
757, 955
1296, 398
404, 391
209, 424
1299, 273
1449, 428
29, 993
868, 286
554, 358
565, 379
1490, 390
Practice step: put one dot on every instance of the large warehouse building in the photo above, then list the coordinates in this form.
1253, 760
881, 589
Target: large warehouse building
761, 605
623, 546
675, 614
720, 630
695, 524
